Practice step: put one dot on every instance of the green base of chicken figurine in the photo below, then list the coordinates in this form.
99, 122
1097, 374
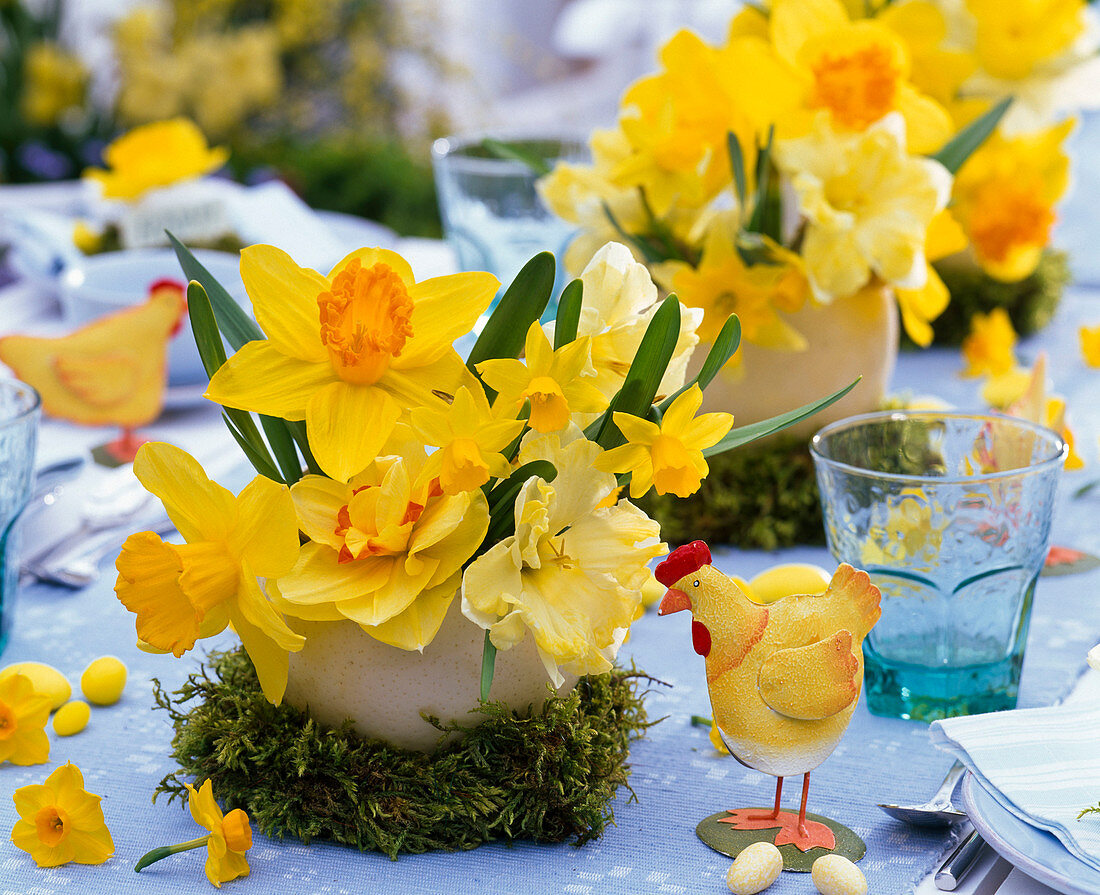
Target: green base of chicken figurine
719, 834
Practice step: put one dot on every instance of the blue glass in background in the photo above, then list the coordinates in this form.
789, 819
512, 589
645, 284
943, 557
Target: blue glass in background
492, 214
19, 412
950, 514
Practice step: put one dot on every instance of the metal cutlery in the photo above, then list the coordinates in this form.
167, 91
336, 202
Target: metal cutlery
959, 862
938, 810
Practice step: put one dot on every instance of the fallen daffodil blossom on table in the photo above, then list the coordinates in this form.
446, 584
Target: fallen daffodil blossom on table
60, 822
24, 712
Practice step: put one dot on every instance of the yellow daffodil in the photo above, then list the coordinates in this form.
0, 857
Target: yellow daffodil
385, 550
54, 81
935, 69
669, 456
557, 383
857, 72
759, 294
989, 346
229, 838
59, 821
1005, 196
469, 439
230, 835
23, 716
348, 352
1012, 40
573, 572
183, 592
919, 307
1089, 337
868, 206
619, 301
155, 155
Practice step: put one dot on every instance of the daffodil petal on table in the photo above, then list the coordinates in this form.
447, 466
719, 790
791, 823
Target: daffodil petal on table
61, 822
292, 323
223, 863
24, 712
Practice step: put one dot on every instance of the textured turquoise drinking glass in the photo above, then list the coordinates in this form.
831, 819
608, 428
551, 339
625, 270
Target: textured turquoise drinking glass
19, 411
950, 514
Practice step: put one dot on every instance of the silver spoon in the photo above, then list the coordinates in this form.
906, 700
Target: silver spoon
938, 810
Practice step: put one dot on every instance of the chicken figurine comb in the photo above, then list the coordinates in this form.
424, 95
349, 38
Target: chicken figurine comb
784, 679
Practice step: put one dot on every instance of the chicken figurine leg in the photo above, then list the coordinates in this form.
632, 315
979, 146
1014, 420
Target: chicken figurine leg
784, 678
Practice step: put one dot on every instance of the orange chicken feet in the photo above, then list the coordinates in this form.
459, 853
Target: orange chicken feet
793, 829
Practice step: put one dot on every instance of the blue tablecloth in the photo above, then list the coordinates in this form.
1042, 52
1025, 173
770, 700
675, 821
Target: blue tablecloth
677, 777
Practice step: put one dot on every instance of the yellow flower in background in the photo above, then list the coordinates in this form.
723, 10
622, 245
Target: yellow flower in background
54, 81
385, 550
858, 72
23, 716
469, 439
620, 300
573, 572
906, 530
1005, 194
155, 155
59, 821
348, 353
934, 68
182, 592
1023, 393
1013, 39
230, 835
868, 206
919, 307
668, 456
759, 294
557, 383
1089, 337
989, 346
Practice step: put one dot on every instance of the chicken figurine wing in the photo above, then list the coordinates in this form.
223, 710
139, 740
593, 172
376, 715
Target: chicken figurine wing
784, 677
111, 371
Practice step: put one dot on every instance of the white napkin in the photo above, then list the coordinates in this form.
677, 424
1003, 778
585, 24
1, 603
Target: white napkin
1043, 765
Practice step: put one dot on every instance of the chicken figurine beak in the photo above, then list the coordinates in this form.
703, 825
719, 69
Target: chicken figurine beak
674, 600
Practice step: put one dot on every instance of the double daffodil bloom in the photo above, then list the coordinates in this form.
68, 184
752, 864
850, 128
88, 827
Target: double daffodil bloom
868, 205
182, 592
469, 439
669, 456
229, 838
155, 155
348, 352
59, 821
620, 300
573, 572
23, 716
385, 550
557, 383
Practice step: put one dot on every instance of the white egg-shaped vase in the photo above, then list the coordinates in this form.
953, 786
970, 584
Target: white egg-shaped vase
343, 673
852, 337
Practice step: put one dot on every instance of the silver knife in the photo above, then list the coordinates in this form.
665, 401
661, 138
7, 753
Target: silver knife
959, 862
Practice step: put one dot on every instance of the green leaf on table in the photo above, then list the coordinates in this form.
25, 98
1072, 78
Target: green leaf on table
639, 388
520, 306
569, 314
745, 434
516, 153
960, 147
237, 327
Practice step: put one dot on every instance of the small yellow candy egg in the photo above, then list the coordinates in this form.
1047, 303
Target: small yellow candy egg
836, 875
756, 868
789, 578
103, 680
45, 679
72, 718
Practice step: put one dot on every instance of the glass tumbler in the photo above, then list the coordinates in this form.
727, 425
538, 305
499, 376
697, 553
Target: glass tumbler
492, 213
19, 412
950, 514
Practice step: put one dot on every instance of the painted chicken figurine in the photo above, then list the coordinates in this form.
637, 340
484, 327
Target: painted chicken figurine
784, 678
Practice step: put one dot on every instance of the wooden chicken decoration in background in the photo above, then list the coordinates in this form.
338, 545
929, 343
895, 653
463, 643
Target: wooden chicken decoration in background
112, 371
784, 678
